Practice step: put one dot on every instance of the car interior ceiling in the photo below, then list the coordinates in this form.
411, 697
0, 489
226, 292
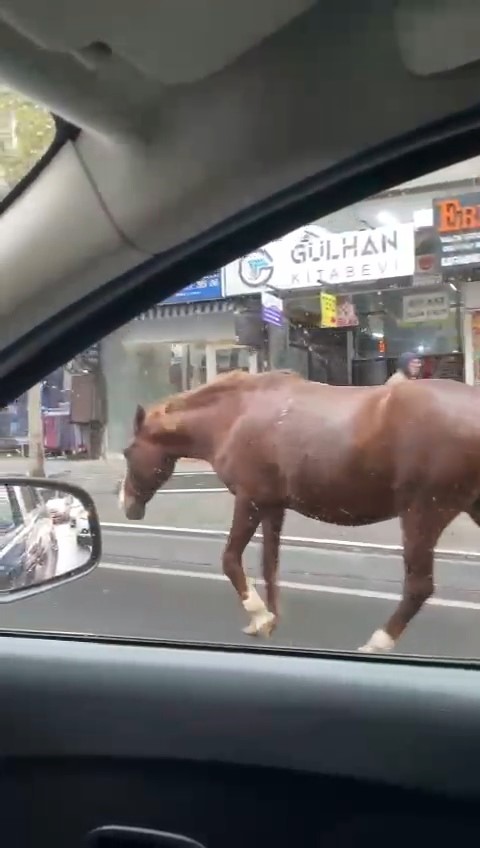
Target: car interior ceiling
219, 745
195, 155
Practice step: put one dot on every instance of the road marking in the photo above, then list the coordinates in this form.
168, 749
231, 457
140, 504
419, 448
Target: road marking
288, 584
300, 541
188, 491
194, 474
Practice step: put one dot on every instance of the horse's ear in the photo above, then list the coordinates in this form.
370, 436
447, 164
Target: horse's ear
165, 421
139, 419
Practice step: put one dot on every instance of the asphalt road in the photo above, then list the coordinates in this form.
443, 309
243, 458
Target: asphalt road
199, 501
158, 587
357, 571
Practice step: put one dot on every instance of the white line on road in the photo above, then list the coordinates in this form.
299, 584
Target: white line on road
194, 474
188, 491
289, 584
305, 541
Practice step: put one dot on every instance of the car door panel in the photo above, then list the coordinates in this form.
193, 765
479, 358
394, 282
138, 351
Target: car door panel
228, 747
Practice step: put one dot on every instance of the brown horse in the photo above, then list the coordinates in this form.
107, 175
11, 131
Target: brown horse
344, 455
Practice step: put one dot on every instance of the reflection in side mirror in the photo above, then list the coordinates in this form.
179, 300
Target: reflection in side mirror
49, 535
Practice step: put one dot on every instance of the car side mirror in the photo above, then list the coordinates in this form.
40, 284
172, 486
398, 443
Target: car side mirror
49, 535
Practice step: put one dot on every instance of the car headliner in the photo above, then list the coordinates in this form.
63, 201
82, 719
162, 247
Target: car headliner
193, 112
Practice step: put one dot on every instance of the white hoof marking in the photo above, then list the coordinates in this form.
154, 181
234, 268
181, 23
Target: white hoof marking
261, 620
380, 642
261, 624
121, 494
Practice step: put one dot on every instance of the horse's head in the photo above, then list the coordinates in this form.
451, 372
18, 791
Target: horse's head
149, 465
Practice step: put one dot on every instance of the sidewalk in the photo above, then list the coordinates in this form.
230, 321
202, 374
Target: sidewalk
77, 470
214, 510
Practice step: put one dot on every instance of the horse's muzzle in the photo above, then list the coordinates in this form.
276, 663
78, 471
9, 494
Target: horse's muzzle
135, 510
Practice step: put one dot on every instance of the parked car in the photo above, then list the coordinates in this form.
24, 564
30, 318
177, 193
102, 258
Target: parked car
79, 519
28, 543
59, 509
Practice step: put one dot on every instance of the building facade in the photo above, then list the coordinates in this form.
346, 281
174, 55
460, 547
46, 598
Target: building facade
337, 301
352, 302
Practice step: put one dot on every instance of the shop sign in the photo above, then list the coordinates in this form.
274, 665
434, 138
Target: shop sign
427, 259
272, 309
312, 256
475, 317
269, 268
208, 288
337, 310
419, 308
256, 269
346, 315
358, 255
457, 223
328, 310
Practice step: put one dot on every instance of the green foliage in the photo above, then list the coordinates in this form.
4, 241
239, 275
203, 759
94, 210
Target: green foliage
26, 132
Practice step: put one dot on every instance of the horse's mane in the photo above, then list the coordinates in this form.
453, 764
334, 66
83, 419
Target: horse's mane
232, 380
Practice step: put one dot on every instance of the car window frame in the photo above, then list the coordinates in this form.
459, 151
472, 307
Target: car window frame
54, 341
111, 306
64, 132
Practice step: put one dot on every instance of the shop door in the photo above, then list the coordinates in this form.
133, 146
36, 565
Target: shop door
222, 358
330, 357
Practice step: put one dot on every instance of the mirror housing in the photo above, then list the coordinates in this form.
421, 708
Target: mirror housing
49, 535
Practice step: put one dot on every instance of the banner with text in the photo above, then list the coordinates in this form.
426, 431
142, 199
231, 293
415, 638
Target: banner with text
419, 308
328, 310
312, 257
457, 224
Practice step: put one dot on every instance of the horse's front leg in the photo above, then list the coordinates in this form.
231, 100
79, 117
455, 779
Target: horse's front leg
422, 528
272, 524
246, 518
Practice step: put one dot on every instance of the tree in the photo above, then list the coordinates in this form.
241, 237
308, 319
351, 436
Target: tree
26, 132
36, 452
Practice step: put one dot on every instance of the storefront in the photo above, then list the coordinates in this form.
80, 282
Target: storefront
180, 344
73, 411
354, 301
456, 220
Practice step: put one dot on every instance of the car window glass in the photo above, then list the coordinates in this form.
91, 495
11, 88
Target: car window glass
27, 130
27, 494
369, 447
6, 515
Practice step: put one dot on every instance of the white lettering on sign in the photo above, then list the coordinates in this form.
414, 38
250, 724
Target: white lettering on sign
426, 307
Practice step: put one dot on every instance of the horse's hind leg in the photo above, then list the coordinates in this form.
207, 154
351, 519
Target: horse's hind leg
272, 525
474, 513
421, 531
246, 518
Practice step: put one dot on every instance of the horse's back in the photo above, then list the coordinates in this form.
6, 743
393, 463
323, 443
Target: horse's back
295, 437
343, 453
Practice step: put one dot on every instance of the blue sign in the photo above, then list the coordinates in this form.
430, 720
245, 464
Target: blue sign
208, 288
272, 309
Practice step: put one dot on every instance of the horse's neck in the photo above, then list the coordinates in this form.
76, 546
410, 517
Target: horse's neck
203, 428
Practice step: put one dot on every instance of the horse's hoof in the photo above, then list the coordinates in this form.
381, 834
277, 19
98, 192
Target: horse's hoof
379, 643
261, 626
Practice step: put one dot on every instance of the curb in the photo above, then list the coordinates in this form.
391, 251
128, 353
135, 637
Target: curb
287, 541
58, 475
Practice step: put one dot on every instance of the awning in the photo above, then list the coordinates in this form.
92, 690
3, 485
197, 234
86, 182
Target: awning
180, 310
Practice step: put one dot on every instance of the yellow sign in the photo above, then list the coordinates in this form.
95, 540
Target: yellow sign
328, 310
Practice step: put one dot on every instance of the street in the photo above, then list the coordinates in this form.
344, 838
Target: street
154, 586
161, 578
199, 500
151, 605
195, 498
